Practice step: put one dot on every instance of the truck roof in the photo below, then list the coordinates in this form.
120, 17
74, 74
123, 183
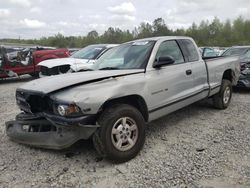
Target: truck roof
164, 38
240, 47
104, 45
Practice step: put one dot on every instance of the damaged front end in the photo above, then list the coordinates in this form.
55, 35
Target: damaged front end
3, 71
45, 71
244, 79
38, 126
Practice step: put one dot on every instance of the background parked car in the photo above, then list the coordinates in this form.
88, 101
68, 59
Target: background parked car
207, 52
244, 53
26, 60
79, 61
73, 50
219, 50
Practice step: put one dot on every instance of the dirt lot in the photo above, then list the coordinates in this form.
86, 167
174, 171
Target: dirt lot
197, 146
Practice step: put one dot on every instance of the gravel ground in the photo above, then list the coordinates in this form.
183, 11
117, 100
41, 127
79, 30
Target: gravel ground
197, 146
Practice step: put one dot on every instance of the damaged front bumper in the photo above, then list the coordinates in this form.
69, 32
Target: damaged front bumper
244, 80
49, 131
244, 83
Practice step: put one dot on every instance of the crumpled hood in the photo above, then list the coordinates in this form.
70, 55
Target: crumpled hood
53, 83
62, 61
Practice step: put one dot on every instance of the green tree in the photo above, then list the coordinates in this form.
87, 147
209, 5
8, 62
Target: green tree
160, 28
206, 33
145, 30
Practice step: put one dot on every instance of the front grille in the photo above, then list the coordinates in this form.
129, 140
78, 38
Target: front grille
39, 128
32, 103
44, 71
54, 70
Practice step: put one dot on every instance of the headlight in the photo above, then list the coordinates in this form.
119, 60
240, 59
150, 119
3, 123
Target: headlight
68, 110
61, 109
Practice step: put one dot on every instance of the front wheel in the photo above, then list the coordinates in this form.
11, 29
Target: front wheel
223, 98
121, 134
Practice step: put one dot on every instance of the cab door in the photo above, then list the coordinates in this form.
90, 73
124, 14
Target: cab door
198, 67
169, 85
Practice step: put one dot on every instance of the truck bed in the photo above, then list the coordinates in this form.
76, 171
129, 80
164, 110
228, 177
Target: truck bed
216, 67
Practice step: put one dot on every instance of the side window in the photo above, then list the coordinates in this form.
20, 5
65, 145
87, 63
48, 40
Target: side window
170, 48
189, 50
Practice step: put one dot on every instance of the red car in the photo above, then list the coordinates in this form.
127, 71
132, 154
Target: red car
26, 61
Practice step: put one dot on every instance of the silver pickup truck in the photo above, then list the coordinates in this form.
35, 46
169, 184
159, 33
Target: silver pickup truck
129, 86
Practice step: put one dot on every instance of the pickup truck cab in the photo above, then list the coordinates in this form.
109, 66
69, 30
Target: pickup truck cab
130, 85
26, 60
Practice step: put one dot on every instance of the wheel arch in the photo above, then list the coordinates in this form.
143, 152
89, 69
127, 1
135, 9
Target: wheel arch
230, 75
136, 101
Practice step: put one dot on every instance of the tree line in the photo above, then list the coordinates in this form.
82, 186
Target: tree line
206, 33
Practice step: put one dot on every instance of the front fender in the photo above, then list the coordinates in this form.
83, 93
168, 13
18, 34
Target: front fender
91, 96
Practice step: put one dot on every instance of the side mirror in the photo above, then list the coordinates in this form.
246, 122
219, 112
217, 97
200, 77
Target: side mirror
163, 61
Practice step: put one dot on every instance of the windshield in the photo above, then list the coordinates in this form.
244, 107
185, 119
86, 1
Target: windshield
89, 52
133, 55
235, 51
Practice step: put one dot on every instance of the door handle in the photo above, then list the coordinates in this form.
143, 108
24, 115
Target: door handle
188, 72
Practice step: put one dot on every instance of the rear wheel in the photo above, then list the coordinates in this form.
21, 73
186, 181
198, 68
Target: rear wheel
121, 134
223, 98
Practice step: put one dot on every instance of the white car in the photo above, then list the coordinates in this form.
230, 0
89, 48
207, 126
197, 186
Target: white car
81, 60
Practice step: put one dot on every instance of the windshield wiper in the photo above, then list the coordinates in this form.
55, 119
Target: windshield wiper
109, 68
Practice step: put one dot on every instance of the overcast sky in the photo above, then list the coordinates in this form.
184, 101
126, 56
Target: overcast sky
37, 18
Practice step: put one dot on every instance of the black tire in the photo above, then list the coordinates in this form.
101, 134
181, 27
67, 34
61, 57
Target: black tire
103, 138
218, 99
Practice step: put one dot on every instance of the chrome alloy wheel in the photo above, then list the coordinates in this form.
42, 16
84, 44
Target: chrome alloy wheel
226, 95
124, 134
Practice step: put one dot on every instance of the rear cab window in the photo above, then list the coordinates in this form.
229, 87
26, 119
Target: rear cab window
189, 50
247, 55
